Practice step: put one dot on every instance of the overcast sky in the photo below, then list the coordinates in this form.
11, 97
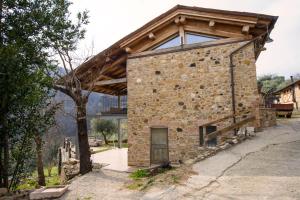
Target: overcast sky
113, 19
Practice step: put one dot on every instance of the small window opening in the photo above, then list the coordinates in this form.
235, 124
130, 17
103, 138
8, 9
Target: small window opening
209, 129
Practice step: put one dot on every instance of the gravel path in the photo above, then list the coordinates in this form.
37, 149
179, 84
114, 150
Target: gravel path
104, 184
265, 167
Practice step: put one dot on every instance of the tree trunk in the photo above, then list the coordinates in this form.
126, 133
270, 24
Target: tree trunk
39, 160
5, 160
1, 165
105, 139
84, 148
59, 161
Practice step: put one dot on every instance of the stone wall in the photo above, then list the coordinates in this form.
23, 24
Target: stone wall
182, 90
267, 117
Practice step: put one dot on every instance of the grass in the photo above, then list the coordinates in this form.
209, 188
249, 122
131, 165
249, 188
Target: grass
140, 173
31, 182
143, 179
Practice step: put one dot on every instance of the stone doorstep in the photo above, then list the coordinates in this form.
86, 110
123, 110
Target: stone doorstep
53, 192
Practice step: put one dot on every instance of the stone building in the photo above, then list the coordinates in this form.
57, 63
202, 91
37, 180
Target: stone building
186, 68
290, 94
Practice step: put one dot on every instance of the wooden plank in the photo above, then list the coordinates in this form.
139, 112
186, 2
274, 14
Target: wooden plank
229, 128
111, 81
226, 117
214, 32
106, 69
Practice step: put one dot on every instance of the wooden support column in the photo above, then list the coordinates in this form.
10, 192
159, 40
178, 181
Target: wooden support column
180, 22
119, 124
181, 34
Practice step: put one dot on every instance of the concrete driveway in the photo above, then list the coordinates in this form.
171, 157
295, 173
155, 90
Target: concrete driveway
265, 167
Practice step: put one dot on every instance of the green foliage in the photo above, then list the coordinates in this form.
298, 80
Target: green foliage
30, 30
31, 181
271, 82
140, 173
105, 127
52, 141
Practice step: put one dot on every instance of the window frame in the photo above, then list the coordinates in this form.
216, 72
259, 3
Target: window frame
183, 39
168, 40
209, 129
199, 34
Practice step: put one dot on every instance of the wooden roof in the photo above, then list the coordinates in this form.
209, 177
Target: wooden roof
111, 63
288, 87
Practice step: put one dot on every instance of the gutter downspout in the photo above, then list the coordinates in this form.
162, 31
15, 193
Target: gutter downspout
231, 65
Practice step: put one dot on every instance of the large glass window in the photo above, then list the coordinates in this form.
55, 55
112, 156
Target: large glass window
192, 38
172, 42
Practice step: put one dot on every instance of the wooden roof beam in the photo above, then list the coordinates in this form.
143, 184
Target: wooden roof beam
107, 67
111, 81
151, 36
180, 20
211, 23
245, 29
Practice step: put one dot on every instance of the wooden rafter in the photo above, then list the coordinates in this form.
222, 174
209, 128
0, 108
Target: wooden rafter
110, 82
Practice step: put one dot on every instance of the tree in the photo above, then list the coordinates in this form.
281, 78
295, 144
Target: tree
53, 140
271, 82
64, 42
46, 116
105, 127
27, 35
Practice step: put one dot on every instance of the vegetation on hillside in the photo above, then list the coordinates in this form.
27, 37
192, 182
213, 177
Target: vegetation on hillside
105, 128
272, 82
30, 31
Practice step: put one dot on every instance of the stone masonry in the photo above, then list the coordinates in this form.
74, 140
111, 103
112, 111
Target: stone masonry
182, 90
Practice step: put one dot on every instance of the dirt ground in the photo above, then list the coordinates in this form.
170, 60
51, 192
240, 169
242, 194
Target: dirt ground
265, 167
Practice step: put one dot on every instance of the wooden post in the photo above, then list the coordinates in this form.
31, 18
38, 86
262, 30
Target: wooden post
119, 124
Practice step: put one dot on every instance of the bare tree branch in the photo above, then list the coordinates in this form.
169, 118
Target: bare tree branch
66, 91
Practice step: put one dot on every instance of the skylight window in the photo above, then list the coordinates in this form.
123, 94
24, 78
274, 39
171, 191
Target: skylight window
192, 38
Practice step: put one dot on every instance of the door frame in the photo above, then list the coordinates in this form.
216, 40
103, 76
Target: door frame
163, 127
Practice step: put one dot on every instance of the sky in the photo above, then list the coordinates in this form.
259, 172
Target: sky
111, 20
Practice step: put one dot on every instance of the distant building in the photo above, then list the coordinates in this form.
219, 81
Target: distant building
290, 94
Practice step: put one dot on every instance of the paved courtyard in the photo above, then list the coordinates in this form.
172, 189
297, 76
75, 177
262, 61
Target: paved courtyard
114, 159
265, 167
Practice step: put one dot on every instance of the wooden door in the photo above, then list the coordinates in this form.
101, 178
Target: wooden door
159, 145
